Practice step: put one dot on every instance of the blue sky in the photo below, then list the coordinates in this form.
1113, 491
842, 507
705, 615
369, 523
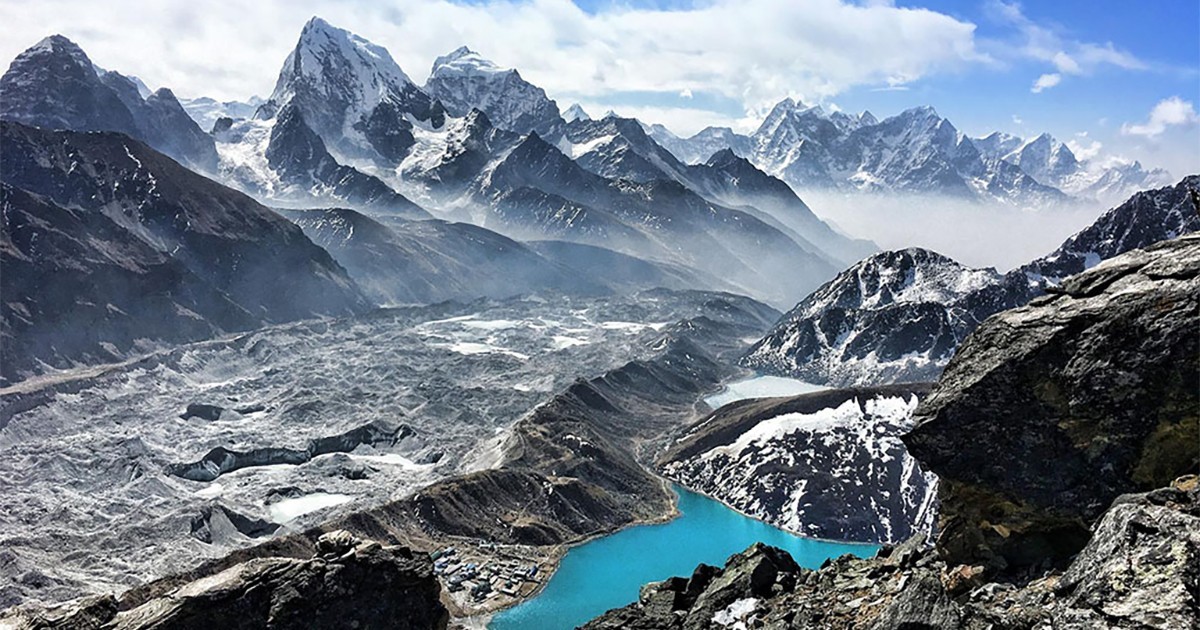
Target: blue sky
1115, 78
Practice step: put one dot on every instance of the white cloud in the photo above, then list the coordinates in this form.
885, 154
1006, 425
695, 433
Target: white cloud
1068, 57
1065, 63
1017, 120
1169, 112
1085, 151
685, 93
753, 52
1045, 82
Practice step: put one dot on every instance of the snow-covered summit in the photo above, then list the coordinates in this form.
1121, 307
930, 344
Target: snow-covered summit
464, 61
464, 80
575, 112
325, 51
351, 93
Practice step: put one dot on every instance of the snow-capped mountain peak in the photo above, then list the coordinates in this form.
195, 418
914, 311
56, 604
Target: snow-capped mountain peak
464, 80
351, 92
464, 61
575, 112
341, 66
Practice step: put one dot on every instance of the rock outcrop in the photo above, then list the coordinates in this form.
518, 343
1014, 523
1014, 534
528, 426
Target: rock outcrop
1050, 411
347, 584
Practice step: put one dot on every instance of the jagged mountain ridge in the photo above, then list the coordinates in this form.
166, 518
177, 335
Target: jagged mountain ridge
915, 151
893, 317
402, 261
900, 316
463, 80
53, 84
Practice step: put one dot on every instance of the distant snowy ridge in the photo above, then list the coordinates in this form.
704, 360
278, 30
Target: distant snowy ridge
915, 151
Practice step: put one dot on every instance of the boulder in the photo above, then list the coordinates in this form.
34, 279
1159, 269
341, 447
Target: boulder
1050, 411
349, 584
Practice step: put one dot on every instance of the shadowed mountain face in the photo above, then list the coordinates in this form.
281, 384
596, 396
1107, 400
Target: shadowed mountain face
299, 157
79, 287
146, 225
54, 85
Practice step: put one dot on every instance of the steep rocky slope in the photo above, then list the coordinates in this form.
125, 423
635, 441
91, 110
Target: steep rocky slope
140, 224
1084, 394
53, 84
1044, 418
828, 465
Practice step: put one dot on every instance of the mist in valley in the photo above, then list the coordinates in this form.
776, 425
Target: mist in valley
974, 233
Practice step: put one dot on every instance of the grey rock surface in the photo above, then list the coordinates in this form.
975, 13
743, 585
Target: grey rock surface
348, 584
1050, 411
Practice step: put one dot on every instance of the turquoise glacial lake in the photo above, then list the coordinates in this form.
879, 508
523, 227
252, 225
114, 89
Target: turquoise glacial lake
608, 572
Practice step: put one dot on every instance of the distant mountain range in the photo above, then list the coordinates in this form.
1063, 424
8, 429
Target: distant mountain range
916, 151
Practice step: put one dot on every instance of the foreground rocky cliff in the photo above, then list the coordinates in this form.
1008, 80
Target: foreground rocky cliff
1138, 571
1051, 410
1043, 423
348, 583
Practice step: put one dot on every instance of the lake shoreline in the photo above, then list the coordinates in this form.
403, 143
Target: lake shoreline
738, 532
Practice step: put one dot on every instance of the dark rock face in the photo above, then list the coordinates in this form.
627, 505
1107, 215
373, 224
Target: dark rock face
1142, 565
347, 584
1145, 218
299, 157
150, 251
1050, 411
54, 85
894, 317
828, 464
1138, 571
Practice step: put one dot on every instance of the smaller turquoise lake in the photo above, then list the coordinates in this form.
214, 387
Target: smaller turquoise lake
608, 572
